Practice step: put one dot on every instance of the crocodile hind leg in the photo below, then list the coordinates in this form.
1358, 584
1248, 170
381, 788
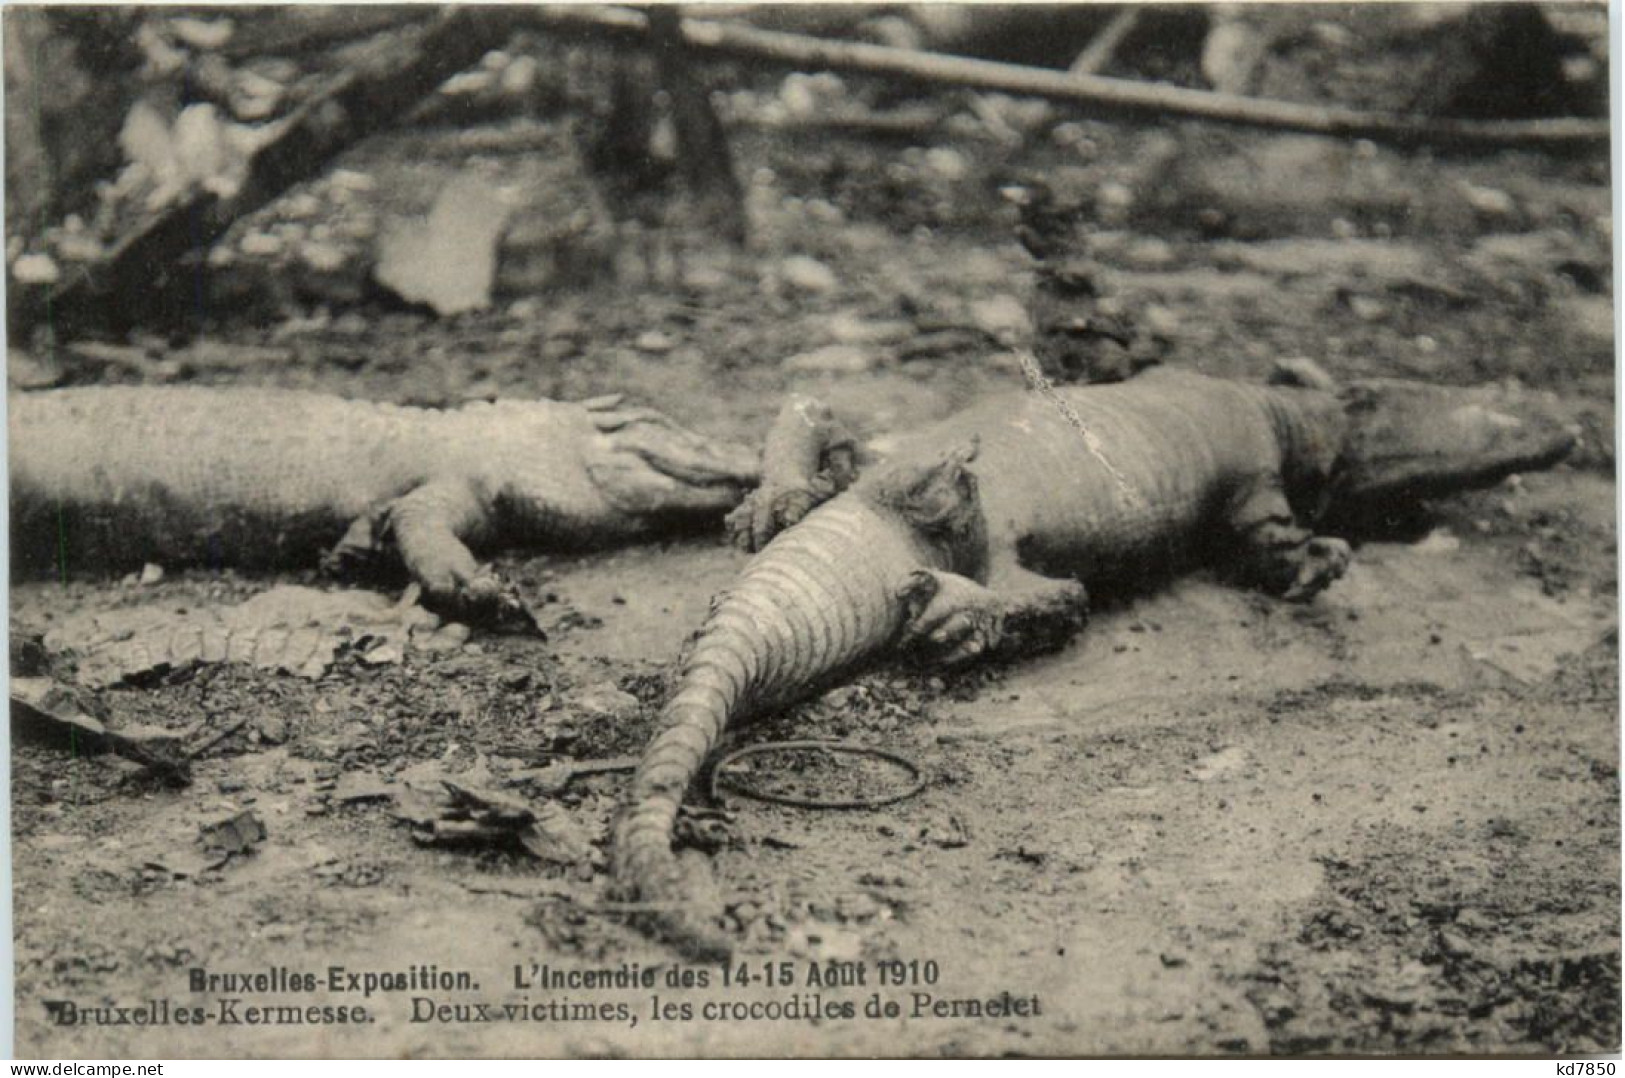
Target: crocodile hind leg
953, 619
1277, 555
808, 459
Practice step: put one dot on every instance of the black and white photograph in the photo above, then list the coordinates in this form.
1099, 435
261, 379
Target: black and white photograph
812, 530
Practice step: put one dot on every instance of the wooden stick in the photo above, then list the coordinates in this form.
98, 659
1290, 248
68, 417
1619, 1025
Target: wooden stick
1105, 98
1098, 53
282, 32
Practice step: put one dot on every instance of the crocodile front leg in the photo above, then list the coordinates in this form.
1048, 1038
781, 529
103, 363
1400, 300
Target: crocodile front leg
429, 527
1277, 555
954, 619
808, 459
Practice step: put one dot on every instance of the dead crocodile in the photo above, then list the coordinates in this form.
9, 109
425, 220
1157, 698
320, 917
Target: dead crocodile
261, 478
978, 535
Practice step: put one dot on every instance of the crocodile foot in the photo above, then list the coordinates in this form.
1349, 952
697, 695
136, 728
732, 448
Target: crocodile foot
766, 511
1321, 562
485, 600
952, 619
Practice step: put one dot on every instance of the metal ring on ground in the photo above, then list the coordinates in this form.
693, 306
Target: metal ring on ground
806, 802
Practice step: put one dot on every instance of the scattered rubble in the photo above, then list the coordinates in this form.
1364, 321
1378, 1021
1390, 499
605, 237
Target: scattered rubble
297, 630
64, 715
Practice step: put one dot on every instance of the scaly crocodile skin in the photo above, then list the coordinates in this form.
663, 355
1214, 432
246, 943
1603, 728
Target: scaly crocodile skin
1124, 483
112, 476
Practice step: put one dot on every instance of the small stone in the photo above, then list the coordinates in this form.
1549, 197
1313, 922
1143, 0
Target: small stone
381, 655
947, 162
237, 833
833, 359
1489, 201
260, 244
301, 206
1230, 55
1454, 943
151, 573
654, 342
80, 248
1220, 765
1068, 133
447, 638
1003, 317
706, 278
825, 211
519, 76
324, 257
355, 786
797, 96
847, 328
201, 33
255, 107
35, 269
1368, 309
1426, 345
807, 275
272, 728
1150, 253
1334, 36
1113, 201
350, 180
1438, 541
605, 699
351, 324
949, 833
1160, 320
856, 907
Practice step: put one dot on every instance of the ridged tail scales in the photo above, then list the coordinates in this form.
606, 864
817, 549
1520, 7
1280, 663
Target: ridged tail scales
819, 601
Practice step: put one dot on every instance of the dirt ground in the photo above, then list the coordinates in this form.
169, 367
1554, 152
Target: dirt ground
1215, 824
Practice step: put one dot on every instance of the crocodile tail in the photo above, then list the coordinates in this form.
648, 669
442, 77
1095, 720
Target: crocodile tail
721, 667
819, 600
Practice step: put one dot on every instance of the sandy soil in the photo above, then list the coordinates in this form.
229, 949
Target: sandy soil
1214, 824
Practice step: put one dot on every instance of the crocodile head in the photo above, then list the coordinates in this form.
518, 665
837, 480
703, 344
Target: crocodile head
647, 466
1408, 442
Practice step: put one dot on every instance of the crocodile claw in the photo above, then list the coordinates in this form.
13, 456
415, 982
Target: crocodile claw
950, 618
767, 511
915, 592
488, 601
1324, 561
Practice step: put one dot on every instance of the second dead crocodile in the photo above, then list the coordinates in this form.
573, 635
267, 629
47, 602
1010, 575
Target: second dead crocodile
978, 535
